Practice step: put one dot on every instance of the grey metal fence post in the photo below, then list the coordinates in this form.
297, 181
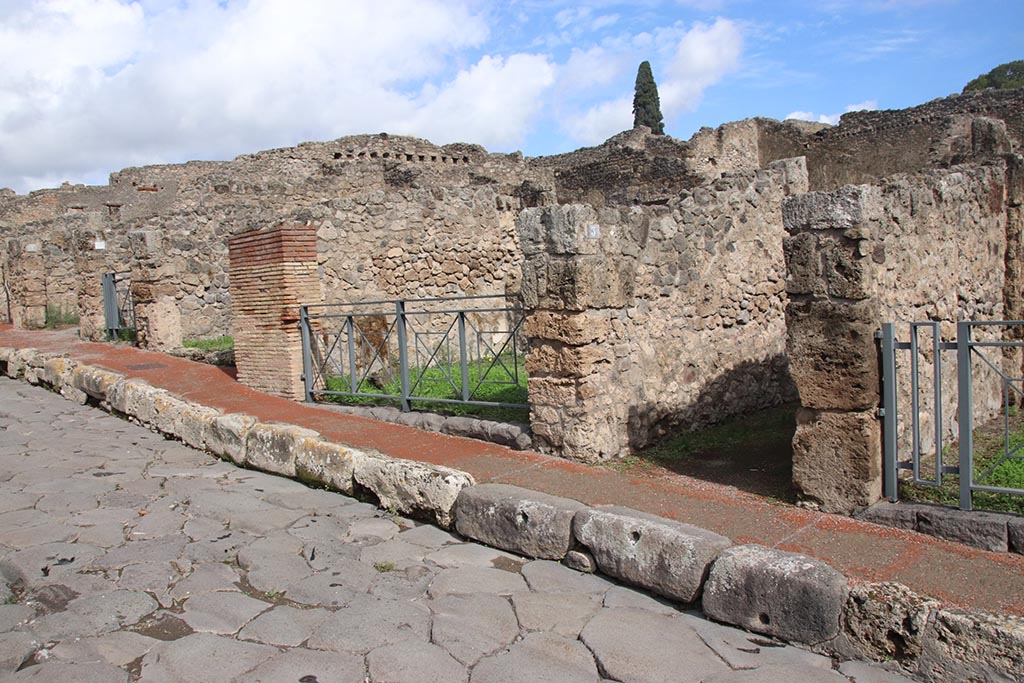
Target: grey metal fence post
463, 363
965, 413
403, 355
111, 315
353, 378
889, 456
307, 353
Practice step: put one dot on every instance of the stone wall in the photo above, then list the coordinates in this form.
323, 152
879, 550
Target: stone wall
643, 319
928, 246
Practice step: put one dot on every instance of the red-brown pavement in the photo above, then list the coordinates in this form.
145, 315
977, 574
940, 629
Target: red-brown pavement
953, 573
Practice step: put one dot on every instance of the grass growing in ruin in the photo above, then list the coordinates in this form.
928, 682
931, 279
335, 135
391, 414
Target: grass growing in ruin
989, 449
225, 343
753, 452
56, 317
504, 384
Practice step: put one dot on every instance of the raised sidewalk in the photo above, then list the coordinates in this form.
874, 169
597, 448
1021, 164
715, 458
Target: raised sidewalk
954, 574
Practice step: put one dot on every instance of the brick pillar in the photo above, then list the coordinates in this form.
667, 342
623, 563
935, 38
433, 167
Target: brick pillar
272, 273
575, 282
831, 320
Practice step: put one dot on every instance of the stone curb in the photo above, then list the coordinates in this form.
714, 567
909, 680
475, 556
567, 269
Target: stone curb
994, 531
786, 595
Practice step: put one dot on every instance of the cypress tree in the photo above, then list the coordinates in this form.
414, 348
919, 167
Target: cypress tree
646, 105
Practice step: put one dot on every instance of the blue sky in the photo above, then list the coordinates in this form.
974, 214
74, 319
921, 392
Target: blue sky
91, 86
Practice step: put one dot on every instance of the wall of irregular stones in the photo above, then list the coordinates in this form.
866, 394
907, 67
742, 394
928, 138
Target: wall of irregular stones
642, 319
924, 247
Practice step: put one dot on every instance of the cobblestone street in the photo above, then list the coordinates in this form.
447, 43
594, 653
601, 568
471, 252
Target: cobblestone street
126, 556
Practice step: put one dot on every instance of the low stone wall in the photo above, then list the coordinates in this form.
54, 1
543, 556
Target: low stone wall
926, 247
644, 319
785, 595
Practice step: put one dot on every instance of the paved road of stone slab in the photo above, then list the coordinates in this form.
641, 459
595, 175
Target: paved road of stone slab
127, 557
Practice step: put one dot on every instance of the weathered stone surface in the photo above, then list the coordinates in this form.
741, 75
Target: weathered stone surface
227, 436
564, 613
745, 650
791, 596
412, 662
984, 530
898, 515
464, 580
961, 646
274, 447
221, 612
539, 657
413, 488
581, 561
327, 463
15, 648
203, 656
837, 459
284, 626
56, 672
545, 575
775, 673
472, 626
885, 621
305, 665
473, 555
94, 381
194, 423
656, 650
57, 372
368, 623
1015, 535
523, 521
664, 556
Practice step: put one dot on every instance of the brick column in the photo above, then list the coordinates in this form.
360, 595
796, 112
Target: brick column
272, 273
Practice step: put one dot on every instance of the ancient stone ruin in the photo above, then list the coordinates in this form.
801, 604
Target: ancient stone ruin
668, 284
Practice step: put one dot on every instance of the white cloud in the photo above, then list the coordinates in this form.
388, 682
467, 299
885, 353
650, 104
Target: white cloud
833, 119
690, 62
90, 86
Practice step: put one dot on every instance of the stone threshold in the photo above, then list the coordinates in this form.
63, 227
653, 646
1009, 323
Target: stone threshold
786, 595
998, 532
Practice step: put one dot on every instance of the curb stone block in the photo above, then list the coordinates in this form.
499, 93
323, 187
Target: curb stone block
17, 361
983, 530
327, 463
962, 646
413, 487
57, 372
1015, 535
193, 424
94, 381
5, 356
884, 621
667, 557
787, 595
581, 561
227, 436
140, 401
273, 447
515, 519
167, 412
898, 515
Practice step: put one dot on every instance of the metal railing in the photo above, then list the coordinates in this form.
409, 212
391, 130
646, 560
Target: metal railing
908, 451
118, 305
400, 349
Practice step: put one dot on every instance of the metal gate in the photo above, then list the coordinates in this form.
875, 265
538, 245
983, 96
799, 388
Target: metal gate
986, 359
118, 306
465, 350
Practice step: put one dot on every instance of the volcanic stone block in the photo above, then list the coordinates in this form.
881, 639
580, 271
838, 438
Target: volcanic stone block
327, 463
782, 594
667, 557
837, 459
1015, 535
898, 515
833, 355
227, 436
273, 447
963, 646
57, 372
983, 530
413, 488
522, 521
885, 621
193, 424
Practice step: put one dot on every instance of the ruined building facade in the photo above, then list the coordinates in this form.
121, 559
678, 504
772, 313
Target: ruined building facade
668, 283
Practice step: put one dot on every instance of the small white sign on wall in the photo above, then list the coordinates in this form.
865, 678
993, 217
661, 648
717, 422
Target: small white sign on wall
31, 247
100, 245
594, 231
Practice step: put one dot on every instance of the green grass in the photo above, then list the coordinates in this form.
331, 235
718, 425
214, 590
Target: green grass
768, 428
56, 317
434, 384
989, 448
225, 343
